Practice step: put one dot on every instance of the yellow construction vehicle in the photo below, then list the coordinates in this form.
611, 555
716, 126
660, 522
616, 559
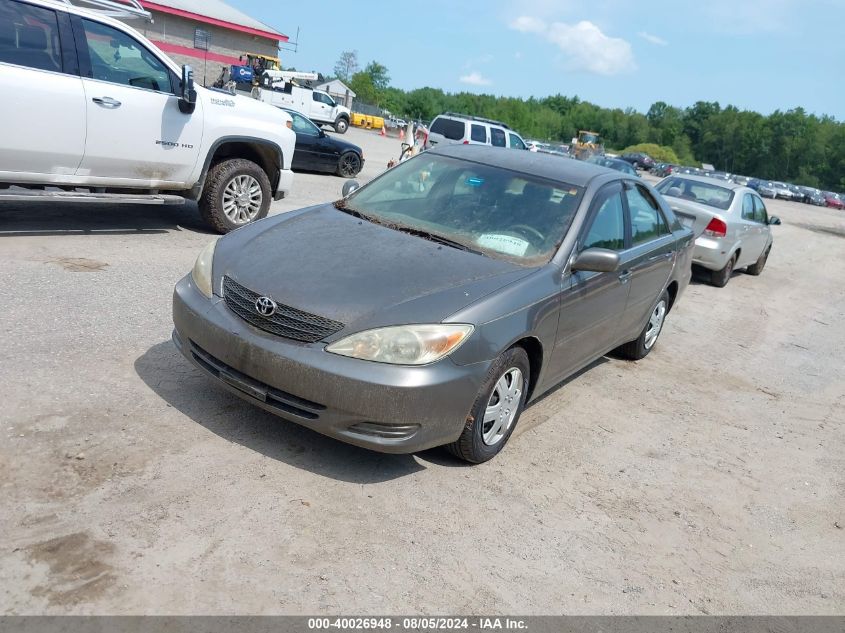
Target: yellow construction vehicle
586, 145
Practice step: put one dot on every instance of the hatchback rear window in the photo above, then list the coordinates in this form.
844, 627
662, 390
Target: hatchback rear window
450, 128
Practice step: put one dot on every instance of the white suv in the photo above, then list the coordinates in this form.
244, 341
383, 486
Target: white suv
471, 130
94, 112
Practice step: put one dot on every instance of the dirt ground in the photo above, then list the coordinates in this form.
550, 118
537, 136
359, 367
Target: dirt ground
707, 478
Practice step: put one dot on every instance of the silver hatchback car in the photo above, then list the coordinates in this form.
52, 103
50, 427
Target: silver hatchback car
730, 223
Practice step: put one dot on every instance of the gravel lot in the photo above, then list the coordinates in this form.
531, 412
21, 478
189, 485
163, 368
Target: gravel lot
707, 478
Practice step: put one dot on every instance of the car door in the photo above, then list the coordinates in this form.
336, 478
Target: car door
761, 217
592, 303
43, 104
136, 132
650, 258
749, 233
321, 106
307, 155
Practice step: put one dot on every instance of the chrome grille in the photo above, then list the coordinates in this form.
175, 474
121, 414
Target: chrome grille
287, 322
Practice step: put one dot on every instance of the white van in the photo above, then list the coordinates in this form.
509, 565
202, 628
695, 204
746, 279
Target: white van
471, 130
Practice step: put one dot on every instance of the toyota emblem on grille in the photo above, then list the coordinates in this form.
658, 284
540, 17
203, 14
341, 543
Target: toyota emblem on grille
265, 306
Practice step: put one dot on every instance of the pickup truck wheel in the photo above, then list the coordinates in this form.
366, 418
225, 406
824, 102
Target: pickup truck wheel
341, 125
349, 165
236, 192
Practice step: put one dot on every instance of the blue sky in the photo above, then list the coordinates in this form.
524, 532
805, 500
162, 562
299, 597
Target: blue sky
756, 54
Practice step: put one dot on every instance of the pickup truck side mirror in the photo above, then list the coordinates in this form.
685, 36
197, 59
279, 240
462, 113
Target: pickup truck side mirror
596, 260
188, 96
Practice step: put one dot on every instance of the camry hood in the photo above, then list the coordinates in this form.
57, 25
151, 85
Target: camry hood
337, 266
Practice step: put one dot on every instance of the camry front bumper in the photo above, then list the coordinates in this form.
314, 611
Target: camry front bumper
388, 408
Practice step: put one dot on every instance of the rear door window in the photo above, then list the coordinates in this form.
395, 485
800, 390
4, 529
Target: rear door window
497, 137
760, 214
748, 207
479, 133
449, 128
29, 36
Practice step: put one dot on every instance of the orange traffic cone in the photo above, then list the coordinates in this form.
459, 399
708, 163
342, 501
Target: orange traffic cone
401, 134
383, 131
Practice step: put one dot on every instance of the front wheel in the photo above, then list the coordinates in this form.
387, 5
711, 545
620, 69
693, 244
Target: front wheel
236, 192
496, 410
720, 278
760, 264
341, 125
349, 165
641, 346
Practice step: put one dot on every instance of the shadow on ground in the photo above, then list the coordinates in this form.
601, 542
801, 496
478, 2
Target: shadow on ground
21, 219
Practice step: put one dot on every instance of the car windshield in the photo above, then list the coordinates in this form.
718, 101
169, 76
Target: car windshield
705, 193
493, 211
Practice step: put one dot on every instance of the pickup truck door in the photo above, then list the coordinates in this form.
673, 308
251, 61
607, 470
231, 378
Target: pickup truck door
320, 109
137, 135
43, 104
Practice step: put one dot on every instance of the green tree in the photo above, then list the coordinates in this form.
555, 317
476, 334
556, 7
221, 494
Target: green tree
346, 66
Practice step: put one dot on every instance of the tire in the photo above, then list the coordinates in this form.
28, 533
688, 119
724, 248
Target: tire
341, 125
640, 347
720, 278
481, 439
757, 267
236, 193
349, 165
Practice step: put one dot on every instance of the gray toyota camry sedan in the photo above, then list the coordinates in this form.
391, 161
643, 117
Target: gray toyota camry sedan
427, 307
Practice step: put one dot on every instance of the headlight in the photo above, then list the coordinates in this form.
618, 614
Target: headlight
202, 269
403, 344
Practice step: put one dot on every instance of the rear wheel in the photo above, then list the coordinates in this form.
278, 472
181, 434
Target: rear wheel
349, 165
720, 278
236, 192
341, 125
645, 342
758, 266
496, 410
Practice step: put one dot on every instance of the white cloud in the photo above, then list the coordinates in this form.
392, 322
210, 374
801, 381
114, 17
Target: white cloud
475, 79
584, 45
653, 39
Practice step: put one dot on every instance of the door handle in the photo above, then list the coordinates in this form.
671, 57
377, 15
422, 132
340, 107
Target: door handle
654, 258
625, 276
106, 102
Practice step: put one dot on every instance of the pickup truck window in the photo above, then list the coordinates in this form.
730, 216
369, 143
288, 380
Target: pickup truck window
29, 36
118, 58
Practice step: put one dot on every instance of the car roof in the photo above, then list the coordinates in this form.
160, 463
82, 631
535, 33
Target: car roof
570, 171
727, 184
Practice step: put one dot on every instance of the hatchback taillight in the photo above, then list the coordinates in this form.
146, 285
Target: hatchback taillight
716, 228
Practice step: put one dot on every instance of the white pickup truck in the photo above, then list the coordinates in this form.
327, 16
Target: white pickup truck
94, 112
278, 89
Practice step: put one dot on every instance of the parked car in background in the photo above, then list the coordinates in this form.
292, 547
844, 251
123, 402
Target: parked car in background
640, 160
743, 181
692, 171
813, 196
718, 175
429, 306
766, 189
782, 191
317, 151
471, 130
730, 223
798, 194
663, 169
614, 163
833, 200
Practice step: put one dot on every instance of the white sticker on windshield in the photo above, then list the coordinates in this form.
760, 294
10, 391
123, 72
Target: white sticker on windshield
506, 244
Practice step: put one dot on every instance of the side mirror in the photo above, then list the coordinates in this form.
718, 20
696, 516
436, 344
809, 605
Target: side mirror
596, 260
322, 133
774, 220
188, 96
349, 186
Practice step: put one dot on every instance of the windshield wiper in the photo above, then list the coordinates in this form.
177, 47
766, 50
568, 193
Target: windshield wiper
434, 237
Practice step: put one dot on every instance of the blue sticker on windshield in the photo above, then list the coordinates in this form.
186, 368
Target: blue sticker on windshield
475, 181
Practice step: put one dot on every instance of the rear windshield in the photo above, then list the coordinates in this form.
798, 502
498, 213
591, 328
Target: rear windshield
705, 193
451, 129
